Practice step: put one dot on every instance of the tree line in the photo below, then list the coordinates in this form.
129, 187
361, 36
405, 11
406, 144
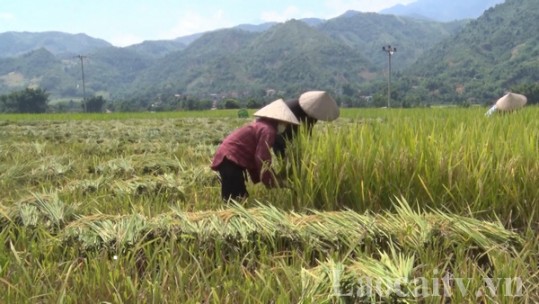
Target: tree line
37, 100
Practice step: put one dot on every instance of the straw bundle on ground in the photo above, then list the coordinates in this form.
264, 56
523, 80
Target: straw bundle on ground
266, 224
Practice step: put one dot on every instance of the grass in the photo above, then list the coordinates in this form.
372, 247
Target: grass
446, 159
122, 208
6, 118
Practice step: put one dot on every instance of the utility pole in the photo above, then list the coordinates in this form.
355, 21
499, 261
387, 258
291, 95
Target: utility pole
83, 83
390, 50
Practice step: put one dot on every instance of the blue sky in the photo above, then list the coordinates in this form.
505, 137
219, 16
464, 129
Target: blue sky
126, 22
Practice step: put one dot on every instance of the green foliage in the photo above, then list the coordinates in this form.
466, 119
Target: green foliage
231, 104
157, 49
242, 113
253, 104
19, 43
27, 101
530, 90
291, 57
95, 104
294, 57
368, 32
487, 57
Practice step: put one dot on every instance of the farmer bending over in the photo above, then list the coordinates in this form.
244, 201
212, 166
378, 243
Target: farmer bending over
248, 149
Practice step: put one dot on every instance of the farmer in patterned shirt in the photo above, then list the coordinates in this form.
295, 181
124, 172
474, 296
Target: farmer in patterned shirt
248, 149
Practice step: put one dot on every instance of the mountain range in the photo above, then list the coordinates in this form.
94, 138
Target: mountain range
489, 56
443, 11
342, 55
240, 61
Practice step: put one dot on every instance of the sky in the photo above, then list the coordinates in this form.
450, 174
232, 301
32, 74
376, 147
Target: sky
127, 22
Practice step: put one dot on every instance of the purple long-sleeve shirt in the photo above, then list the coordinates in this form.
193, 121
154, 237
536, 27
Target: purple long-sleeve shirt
249, 147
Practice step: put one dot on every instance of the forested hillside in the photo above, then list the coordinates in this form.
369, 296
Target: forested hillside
492, 54
288, 57
291, 57
13, 44
463, 62
341, 55
442, 10
368, 32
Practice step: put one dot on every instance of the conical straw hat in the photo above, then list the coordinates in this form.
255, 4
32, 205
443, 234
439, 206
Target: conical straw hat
319, 105
510, 102
278, 110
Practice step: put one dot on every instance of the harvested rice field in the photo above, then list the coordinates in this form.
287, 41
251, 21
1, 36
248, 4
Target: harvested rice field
381, 206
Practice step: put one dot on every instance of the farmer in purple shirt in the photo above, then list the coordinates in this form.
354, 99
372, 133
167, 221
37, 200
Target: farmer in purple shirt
249, 149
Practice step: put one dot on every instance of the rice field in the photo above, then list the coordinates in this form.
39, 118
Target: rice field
381, 206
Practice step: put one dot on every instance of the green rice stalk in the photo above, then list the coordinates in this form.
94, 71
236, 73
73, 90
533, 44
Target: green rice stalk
386, 280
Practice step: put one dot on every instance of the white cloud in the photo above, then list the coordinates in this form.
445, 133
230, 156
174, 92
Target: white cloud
188, 22
288, 13
124, 40
183, 21
192, 22
330, 9
6, 16
338, 7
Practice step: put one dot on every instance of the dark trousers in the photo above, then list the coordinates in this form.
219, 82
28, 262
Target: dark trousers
232, 181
